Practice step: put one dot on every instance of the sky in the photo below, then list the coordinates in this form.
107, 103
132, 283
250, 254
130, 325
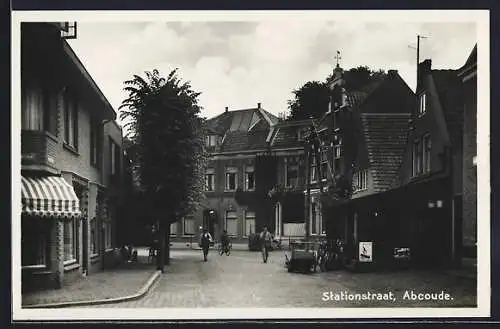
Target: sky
239, 64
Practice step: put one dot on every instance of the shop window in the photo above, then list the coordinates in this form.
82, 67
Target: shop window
93, 237
34, 238
70, 240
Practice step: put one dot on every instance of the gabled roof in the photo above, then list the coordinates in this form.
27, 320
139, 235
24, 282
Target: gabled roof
385, 135
286, 133
449, 90
245, 129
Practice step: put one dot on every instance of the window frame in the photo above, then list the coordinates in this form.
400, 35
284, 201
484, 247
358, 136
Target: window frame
96, 133
74, 241
422, 103
249, 218
70, 120
426, 153
193, 221
211, 140
287, 173
247, 180
226, 221
42, 244
209, 174
228, 172
417, 157
361, 180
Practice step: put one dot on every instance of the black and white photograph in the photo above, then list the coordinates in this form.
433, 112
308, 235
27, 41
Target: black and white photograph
250, 165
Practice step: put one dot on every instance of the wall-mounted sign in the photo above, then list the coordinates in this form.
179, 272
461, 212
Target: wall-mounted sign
365, 252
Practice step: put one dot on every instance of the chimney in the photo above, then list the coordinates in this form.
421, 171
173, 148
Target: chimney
424, 68
258, 105
227, 108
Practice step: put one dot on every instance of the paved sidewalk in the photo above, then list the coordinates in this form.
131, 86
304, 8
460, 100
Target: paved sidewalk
126, 280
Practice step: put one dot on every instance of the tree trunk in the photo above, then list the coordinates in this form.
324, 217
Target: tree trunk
167, 245
160, 260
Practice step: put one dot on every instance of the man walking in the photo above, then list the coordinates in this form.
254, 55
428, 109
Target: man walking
266, 240
206, 238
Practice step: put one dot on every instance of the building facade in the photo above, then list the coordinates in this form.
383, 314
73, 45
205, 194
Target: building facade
67, 126
468, 75
252, 154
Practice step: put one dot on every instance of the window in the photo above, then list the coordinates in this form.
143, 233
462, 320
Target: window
426, 141
93, 237
70, 120
324, 164
417, 157
292, 175
231, 223
210, 179
314, 174
231, 178
361, 180
211, 140
34, 237
249, 178
108, 234
313, 218
115, 155
173, 229
422, 104
189, 226
249, 223
95, 143
70, 240
38, 109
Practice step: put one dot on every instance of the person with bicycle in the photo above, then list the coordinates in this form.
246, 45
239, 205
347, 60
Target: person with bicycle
266, 240
224, 239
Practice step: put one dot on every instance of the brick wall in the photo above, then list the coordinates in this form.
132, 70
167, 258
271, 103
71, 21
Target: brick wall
470, 170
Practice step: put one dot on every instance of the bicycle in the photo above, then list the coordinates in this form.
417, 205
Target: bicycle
227, 251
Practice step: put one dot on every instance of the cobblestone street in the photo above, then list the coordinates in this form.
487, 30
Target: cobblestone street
243, 280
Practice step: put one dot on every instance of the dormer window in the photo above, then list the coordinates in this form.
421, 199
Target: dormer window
211, 140
422, 103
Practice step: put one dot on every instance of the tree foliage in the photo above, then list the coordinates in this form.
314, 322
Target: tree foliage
311, 100
167, 134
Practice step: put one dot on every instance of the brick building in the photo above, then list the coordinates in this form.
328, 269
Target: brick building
468, 74
361, 136
70, 162
252, 152
403, 168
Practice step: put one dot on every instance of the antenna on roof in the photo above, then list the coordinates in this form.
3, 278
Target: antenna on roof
418, 50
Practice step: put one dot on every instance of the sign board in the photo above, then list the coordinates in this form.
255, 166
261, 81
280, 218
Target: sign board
365, 252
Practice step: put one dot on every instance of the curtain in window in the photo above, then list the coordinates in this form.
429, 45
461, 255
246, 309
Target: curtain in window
32, 108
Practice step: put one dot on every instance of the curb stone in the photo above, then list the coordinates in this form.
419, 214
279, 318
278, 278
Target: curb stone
145, 288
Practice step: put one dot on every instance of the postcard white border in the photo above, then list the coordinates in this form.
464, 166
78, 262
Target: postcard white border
480, 17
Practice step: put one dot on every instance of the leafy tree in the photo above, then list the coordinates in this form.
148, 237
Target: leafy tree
162, 117
311, 100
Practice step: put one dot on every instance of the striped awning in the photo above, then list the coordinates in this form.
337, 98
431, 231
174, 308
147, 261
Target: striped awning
49, 196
